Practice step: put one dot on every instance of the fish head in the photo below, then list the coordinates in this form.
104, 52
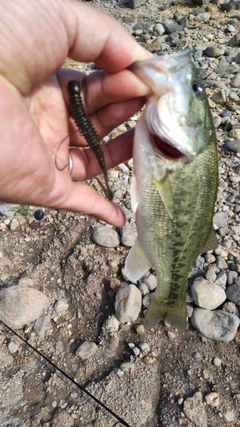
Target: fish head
177, 112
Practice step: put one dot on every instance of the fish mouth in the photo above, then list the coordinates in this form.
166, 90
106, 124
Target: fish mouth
167, 150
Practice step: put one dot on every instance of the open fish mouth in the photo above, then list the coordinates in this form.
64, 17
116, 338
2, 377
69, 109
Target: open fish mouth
166, 150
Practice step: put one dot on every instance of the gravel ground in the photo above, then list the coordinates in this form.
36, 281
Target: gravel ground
61, 278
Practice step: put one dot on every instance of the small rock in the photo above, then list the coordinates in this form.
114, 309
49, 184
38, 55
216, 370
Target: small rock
235, 134
158, 29
217, 362
217, 325
144, 347
210, 258
135, 3
230, 416
41, 324
220, 219
128, 235
193, 408
219, 97
128, 303
235, 41
20, 305
86, 350
25, 281
13, 346
171, 335
207, 295
136, 351
143, 289
233, 146
106, 236
62, 419
171, 27
151, 281
189, 310
212, 399
220, 251
221, 279
221, 263
236, 81
230, 28
203, 17
180, 401
230, 307
127, 367
233, 293
149, 360
112, 263
111, 324
8, 209
214, 51
237, 59
199, 262
147, 299
140, 330
14, 224
61, 306
210, 274
231, 277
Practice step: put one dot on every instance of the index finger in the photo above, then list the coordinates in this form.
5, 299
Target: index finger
104, 40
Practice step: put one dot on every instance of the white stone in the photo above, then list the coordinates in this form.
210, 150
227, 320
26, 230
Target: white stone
207, 294
61, 306
212, 399
14, 224
128, 303
20, 305
111, 324
106, 236
86, 350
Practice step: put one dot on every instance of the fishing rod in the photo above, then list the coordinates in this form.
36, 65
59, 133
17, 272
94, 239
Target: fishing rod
121, 420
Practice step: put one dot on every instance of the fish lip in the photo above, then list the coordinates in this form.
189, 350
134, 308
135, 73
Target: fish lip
165, 149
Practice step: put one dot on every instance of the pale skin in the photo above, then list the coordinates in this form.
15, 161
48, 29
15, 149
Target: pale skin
36, 37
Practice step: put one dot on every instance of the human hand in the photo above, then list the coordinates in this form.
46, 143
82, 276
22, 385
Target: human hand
35, 40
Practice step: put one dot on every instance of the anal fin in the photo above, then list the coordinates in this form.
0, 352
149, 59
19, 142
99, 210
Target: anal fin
136, 264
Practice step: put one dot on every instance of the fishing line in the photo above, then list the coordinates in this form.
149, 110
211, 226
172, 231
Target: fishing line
121, 420
57, 150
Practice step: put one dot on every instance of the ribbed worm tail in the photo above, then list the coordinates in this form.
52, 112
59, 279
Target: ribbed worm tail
86, 129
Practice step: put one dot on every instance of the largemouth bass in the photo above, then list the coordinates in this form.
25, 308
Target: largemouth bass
175, 182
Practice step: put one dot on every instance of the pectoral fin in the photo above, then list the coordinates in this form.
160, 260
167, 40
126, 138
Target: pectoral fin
137, 264
165, 191
212, 242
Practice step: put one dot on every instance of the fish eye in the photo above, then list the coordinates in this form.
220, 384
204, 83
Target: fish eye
197, 89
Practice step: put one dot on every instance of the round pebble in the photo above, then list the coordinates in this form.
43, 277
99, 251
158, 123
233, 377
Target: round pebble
106, 236
217, 361
217, 325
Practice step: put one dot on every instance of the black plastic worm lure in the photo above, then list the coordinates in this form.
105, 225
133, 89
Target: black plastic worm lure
86, 129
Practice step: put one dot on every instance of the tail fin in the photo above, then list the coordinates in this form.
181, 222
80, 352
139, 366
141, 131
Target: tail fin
174, 314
